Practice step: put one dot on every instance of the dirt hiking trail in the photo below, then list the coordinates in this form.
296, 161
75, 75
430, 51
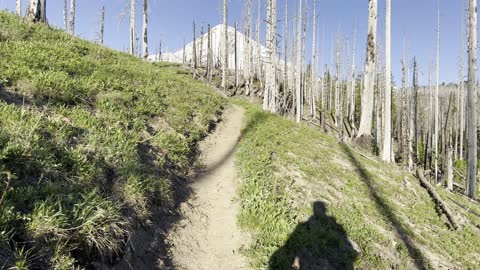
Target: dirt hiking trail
207, 236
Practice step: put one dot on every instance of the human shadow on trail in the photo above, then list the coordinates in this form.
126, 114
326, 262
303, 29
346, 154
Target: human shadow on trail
319, 243
400, 231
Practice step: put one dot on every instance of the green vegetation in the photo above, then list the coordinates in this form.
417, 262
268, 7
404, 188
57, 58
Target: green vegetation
304, 195
90, 140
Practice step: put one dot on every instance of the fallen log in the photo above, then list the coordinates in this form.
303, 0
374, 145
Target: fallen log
437, 200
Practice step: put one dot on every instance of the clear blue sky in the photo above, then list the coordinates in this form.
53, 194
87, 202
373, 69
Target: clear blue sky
171, 20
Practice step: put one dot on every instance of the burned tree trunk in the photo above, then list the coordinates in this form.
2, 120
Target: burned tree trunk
298, 68
18, 7
36, 11
132, 28
102, 26
145, 29
194, 48
387, 116
225, 45
472, 103
365, 129
72, 17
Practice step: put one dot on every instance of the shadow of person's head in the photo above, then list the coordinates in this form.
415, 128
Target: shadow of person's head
318, 243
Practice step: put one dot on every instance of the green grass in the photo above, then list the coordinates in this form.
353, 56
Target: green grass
302, 194
90, 140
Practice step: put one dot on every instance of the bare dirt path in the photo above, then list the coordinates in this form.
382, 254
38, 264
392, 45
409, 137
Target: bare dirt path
207, 237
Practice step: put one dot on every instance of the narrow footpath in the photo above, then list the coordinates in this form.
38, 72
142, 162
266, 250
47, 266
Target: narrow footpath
207, 236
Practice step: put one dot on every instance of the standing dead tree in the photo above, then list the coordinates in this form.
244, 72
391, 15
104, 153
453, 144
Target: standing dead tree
436, 115
298, 68
248, 61
313, 76
225, 45
194, 48
132, 28
145, 30
471, 188
101, 33
72, 16
18, 7
387, 116
36, 11
365, 129
65, 15
236, 55
209, 69
270, 93
351, 102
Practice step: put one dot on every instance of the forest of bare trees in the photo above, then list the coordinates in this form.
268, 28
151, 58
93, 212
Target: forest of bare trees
341, 96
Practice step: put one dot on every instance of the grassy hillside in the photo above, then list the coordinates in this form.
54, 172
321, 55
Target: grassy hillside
90, 140
304, 195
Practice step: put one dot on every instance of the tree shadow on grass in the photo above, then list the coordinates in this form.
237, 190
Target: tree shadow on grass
399, 229
319, 243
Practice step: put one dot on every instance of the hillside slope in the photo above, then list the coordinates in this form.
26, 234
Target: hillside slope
91, 140
307, 197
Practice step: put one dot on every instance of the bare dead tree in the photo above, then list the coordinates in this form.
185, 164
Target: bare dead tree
236, 54
387, 116
225, 45
194, 48
298, 68
36, 11
200, 57
209, 71
102, 26
365, 128
72, 16
435, 137
18, 7
314, 62
145, 30
132, 27
285, 61
471, 188
270, 94
65, 15
351, 102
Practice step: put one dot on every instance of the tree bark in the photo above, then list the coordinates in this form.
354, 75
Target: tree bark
387, 133
298, 67
18, 7
225, 45
132, 28
145, 29
270, 72
449, 179
314, 62
365, 128
72, 16
435, 137
351, 109
462, 96
236, 55
194, 49
285, 63
102, 26
209, 55
65, 15
472, 102
36, 11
